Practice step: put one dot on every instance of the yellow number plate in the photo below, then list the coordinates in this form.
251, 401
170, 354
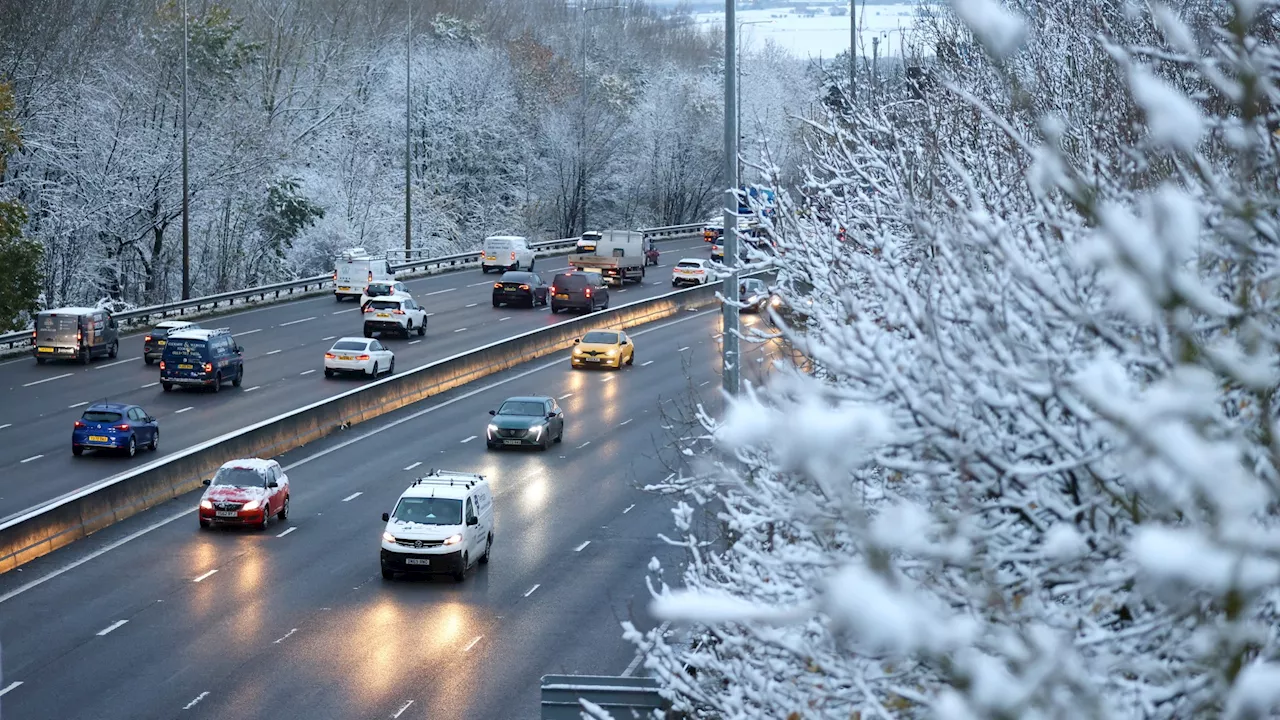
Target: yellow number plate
186, 367
562, 296
161, 342
345, 357
98, 438
345, 287
46, 350
383, 315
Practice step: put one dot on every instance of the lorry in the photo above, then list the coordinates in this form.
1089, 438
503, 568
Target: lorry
355, 269
619, 256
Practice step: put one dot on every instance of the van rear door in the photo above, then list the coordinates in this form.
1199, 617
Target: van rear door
58, 330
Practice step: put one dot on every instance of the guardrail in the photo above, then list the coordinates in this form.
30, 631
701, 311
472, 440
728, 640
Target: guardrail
45, 528
623, 698
302, 286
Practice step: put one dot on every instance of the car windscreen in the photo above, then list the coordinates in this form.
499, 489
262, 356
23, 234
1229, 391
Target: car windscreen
239, 477
751, 286
606, 338
571, 282
375, 290
384, 305
518, 278
101, 416
182, 349
350, 345
429, 511
59, 325
521, 407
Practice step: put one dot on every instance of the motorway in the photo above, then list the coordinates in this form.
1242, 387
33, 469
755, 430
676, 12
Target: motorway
284, 355
154, 618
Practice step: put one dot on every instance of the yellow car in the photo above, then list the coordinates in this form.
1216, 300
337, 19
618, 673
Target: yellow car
603, 348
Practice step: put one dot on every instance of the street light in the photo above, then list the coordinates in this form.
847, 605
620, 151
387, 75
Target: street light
729, 311
738, 69
408, 105
582, 128
186, 203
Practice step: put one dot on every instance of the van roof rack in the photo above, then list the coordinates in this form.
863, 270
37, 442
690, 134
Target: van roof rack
448, 478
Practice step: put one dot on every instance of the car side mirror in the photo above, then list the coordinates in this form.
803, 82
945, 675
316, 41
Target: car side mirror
150, 419
493, 412
239, 350
386, 517
273, 484
473, 520
577, 340
550, 415
206, 482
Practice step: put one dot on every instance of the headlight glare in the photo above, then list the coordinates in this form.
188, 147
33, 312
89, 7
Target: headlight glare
388, 537
206, 504
251, 505
453, 540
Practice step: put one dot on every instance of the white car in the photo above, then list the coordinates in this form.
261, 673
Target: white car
358, 355
384, 288
400, 315
691, 271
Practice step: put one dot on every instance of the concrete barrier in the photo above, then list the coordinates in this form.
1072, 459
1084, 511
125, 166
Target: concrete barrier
60, 522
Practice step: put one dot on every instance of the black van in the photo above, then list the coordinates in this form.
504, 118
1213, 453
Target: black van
205, 358
579, 290
74, 334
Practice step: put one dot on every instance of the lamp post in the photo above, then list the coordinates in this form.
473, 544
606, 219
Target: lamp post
737, 178
186, 202
408, 106
582, 128
729, 318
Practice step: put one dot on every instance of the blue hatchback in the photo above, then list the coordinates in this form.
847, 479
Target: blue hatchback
115, 426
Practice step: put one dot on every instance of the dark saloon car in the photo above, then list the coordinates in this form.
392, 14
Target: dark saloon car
115, 426
521, 421
520, 288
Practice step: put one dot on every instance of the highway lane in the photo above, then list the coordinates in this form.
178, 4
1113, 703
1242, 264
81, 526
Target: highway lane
298, 619
284, 348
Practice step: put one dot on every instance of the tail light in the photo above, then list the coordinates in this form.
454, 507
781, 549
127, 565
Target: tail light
146, 339
588, 292
553, 289
497, 286
80, 424
370, 276
162, 366
79, 336
208, 367
330, 356
524, 287
397, 312
363, 357
513, 254
368, 308
121, 426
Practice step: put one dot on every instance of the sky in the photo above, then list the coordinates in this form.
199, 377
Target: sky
822, 35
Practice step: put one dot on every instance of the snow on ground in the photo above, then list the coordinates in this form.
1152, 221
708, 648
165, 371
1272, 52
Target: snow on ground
822, 35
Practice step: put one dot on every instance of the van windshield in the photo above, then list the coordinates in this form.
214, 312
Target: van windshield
429, 511
183, 349
59, 325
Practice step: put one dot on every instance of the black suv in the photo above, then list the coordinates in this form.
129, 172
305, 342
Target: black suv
579, 290
207, 358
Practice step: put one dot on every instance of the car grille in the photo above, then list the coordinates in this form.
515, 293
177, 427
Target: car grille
227, 506
592, 353
419, 543
512, 433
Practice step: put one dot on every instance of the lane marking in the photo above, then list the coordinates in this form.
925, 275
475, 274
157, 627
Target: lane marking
295, 322
400, 712
624, 512
472, 644
199, 697
471, 305
286, 637
307, 372
273, 352
202, 577
704, 382
6, 425
328, 338
352, 496
118, 362
579, 548
606, 378
584, 444
414, 342
565, 396
429, 315
11, 686
646, 363
286, 532
33, 457
437, 292
48, 379
151, 384
635, 662
624, 422
189, 407
414, 465
473, 437
686, 347
111, 627
339, 312
246, 332
459, 329
535, 587
255, 387
79, 404
505, 318
486, 282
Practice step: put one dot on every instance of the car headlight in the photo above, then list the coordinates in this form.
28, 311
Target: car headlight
453, 540
251, 505
206, 504
491, 429
577, 351
775, 301
388, 537
537, 431
612, 352
753, 299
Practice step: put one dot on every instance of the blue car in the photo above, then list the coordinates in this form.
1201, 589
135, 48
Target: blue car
115, 426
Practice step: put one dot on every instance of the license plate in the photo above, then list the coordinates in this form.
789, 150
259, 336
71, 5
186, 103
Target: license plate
510, 442
44, 350
227, 513
186, 367
161, 342
417, 561
99, 438
345, 287
490, 257
591, 359
345, 357
562, 296
383, 315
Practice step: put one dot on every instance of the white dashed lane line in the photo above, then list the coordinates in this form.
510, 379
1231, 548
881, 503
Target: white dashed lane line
307, 372
535, 587
10, 688
584, 444
255, 387
295, 322
286, 532
504, 318
414, 342
400, 712
79, 404
624, 422
199, 697
352, 496
33, 457
686, 347
473, 437
118, 362
437, 292
286, 637
566, 396
151, 385
246, 332
328, 338
583, 545
339, 312
48, 379
646, 363
486, 282
6, 425
273, 352
624, 512
111, 627
472, 305
179, 412
459, 329
414, 465
472, 644
204, 576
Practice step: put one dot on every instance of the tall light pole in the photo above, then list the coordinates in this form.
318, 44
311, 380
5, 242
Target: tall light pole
408, 123
737, 177
186, 202
729, 336
582, 128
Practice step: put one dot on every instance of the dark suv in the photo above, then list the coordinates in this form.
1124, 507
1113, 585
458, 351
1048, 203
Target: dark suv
579, 290
207, 358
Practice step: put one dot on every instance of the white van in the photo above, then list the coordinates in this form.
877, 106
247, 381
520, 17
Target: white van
506, 252
355, 269
443, 523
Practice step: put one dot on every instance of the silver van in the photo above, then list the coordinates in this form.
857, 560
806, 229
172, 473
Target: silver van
73, 333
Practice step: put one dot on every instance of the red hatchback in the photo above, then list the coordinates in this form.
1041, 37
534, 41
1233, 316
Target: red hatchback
245, 492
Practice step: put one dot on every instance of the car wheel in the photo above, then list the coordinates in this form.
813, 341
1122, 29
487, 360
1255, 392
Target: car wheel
554, 309
496, 303
531, 261
391, 369
77, 450
217, 382
155, 441
368, 333
462, 571
488, 548
113, 350
266, 516
39, 361
375, 370
239, 377
408, 330
675, 284
328, 373
205, 524
422, 329
388, 574
491, 446
631, 360
147, 360
133, 446
85, 356
284, 509
545, 444
167, 387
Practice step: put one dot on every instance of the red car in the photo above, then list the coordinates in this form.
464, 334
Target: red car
245, 492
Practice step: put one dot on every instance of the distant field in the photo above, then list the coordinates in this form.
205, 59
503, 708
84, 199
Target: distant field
823, 35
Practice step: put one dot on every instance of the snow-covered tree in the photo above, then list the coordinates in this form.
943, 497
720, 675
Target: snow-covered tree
1031, 470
